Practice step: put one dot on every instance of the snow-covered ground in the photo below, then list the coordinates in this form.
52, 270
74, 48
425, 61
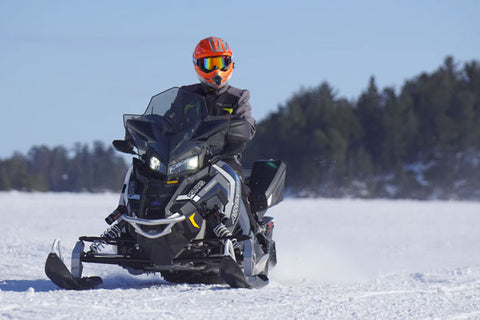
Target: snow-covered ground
338, 259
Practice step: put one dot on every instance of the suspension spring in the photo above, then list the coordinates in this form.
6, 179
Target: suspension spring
110, 234
221, 231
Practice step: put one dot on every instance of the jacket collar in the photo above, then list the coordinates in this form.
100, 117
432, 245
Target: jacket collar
211, 91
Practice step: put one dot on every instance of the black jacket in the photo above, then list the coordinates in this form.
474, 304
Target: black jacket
220, 100
226, 100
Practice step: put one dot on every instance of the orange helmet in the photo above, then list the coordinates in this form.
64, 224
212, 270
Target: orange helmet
212, 60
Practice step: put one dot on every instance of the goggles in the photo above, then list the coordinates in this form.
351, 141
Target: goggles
211, 63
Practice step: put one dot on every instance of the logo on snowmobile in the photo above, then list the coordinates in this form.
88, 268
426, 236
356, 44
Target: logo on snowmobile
195, 189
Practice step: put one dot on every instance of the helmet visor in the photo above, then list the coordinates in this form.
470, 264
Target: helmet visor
211, 63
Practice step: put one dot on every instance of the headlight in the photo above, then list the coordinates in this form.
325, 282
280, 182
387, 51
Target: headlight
156, 165
184, 165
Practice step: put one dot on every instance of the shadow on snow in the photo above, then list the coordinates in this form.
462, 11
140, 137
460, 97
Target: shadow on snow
40, 285
109, 283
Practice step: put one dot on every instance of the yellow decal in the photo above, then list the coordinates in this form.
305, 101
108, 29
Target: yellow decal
172, 182
192, 220
188, 107
229, 110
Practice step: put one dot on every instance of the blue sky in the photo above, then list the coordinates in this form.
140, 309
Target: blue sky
69, 70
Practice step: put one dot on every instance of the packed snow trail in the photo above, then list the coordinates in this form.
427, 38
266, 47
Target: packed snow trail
338, 259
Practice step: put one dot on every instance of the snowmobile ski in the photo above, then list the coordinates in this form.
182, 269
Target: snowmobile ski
232, 274
56, 271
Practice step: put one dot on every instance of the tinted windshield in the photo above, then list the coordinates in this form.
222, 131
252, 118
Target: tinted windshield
174, 114
182, 109
161, 103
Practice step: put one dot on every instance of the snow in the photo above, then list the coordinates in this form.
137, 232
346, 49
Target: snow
338, 259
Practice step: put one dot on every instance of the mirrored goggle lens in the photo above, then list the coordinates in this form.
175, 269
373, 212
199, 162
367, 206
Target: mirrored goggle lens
210, 63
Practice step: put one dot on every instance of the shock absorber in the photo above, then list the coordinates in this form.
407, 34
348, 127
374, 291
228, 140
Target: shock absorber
216, 220
111, 233
221, 231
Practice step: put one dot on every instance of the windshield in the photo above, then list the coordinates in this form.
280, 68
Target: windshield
170, 118
182, 109
161, 103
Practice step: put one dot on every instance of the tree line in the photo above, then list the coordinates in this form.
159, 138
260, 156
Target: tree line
84, 168
420, 142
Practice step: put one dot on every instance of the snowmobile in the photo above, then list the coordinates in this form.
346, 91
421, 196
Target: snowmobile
181, 210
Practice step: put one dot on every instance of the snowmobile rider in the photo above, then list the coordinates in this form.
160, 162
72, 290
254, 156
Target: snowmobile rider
212, 60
